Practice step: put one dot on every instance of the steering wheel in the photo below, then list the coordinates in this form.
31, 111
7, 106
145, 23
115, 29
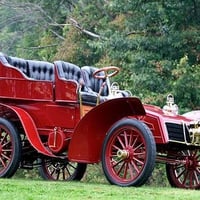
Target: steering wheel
108, 71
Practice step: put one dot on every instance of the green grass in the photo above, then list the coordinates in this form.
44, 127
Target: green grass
93, 186
26, 189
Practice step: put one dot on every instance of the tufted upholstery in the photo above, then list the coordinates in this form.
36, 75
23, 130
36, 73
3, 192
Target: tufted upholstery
93, 83
41, 70
19, 63
92, 86
69, 71
3, 58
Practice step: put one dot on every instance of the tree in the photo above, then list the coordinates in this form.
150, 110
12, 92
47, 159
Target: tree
146, 39
29, 27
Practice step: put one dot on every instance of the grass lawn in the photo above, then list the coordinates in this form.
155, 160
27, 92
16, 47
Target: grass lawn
26, 189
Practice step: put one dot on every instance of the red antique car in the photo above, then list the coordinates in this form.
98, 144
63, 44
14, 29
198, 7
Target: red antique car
60, 117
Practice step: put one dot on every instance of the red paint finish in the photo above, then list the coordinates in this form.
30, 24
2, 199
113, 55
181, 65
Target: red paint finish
86, 144
155, 118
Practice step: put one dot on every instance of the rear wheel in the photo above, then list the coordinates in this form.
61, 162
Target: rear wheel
61, 170
10, 149
187, 173
129, 152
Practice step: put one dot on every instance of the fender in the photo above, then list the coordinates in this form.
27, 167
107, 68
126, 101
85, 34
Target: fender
87, 140
30, 130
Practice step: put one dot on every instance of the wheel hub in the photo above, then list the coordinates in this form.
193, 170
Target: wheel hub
0, 149
191, 163
122, 154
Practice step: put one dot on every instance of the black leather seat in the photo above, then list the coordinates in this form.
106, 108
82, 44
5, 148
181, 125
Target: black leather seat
3, 58
19, 63
41, 70
89, 90
69, 71
93, 86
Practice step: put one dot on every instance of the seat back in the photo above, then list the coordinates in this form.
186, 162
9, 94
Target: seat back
3, 58
41, 70
69, 71
93, 83
19, 63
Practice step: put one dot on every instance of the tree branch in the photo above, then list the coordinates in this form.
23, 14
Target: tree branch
39, 47
74, 23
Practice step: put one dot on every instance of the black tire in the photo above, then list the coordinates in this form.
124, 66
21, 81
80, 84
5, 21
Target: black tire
61, 170
129, 153
10, 149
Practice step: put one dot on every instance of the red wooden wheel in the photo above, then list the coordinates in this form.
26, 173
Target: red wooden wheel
10, 149
61, 170
129, 152
187, 173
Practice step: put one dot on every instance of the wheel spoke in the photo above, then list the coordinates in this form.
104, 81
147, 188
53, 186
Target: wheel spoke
4, 137
115, 163
136, 168
63, 173
58, 174
196, 177
137, 147
71, 165
120, 141
7, 150
182, 172
2, 162
138, 161
6, 157
134, 142
131, 170
120, 168
116, 147
125, 170
139, 153
125, 138
198, 170
68, 171
130, 139
185, 177
7, 143
52, 172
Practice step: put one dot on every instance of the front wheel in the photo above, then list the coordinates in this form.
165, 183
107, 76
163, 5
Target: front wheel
186, 174
129, 152
61, 169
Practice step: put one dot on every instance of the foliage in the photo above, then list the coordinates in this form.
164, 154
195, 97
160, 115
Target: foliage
146, 39
186, 84
30, 26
